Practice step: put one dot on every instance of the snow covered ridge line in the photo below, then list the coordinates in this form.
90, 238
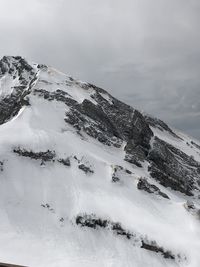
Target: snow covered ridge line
94, 222
95, 113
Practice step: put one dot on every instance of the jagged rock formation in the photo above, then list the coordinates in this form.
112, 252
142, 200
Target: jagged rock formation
173, 168
25, 76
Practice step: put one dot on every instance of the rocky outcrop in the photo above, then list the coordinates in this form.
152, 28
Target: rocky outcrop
192, 209
173, 168
109, 121
152, 246
112, 123
116, 173
99, 129
92, 221
44, 156
119, 172
57, 95
144, 185
65, 162
85, 168
11, 104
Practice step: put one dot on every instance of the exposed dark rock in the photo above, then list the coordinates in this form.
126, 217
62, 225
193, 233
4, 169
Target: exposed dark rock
115, 179
12, 103
118, 172
115, 174
189, 205
133, 159
85, 168
128, 171
192, 209
117, 229
111, 122
44, 156
195, 144
1, 166
152, 246
91, 127
75, 157
58, 95
143, 184
65, 162
139, 137
98, 115
42, 66
173, 168
93, 222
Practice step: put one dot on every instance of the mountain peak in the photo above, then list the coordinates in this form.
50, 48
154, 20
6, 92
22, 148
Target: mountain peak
13, 64
104, 182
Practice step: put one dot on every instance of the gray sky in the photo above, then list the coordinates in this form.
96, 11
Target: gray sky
145, 52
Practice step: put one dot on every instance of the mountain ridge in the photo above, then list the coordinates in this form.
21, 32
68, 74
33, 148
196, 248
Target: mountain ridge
68, 148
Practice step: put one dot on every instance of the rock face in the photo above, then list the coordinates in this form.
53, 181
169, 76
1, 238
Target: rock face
173, 168
25, 75
112, 122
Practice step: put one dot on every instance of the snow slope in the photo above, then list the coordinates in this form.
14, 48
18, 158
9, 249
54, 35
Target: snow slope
40, 199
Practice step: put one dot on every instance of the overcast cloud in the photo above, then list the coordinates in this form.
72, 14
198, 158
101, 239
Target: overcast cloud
145, 52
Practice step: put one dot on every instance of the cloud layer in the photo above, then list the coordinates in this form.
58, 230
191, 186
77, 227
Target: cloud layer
146, 52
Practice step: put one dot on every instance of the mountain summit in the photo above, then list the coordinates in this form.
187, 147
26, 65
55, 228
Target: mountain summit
86, 180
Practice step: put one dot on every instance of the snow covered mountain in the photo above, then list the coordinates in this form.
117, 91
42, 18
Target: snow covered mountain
86, 180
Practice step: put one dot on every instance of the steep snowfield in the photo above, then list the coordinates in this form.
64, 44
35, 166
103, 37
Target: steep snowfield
39, 202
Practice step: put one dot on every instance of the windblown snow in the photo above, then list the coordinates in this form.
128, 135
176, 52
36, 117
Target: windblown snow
68, 199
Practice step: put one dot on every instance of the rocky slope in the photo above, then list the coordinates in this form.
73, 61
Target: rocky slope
86, 180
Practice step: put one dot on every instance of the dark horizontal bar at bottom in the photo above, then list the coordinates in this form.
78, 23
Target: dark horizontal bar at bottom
9, 265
